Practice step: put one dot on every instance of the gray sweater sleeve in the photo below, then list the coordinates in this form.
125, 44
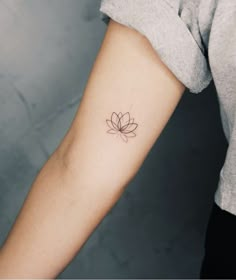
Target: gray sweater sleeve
171, 26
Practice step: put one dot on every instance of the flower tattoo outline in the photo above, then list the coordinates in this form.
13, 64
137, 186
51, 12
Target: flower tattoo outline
122, 124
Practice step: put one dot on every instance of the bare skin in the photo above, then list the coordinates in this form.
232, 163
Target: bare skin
75, 188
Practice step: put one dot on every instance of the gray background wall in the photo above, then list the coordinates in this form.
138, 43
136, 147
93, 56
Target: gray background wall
156, 230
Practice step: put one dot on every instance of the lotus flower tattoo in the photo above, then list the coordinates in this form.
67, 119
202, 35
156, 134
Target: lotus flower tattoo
122, 124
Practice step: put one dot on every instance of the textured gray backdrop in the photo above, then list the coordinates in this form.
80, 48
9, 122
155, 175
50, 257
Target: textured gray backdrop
156, 230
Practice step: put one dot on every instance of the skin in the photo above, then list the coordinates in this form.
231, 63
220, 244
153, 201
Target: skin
90, 169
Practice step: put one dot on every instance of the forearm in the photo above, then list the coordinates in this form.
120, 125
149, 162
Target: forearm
57, 217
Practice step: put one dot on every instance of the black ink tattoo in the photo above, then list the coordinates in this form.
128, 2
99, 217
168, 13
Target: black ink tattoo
121, 124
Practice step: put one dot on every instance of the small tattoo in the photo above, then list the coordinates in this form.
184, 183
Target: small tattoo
121, 124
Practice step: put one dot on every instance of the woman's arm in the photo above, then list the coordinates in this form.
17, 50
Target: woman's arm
90, 169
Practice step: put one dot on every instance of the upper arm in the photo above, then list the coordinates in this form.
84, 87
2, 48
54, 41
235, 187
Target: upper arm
127, 77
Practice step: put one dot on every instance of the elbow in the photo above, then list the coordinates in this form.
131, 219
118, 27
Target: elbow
81, 168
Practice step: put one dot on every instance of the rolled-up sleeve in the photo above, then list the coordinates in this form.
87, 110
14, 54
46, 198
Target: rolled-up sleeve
171, 37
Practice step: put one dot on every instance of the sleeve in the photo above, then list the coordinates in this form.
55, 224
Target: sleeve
171, 26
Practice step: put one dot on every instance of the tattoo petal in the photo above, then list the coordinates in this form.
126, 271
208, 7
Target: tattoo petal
110, 124
115, 120
124, 137
130, 128
112, 131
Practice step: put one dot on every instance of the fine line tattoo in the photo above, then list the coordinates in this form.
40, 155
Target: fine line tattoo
121, 124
